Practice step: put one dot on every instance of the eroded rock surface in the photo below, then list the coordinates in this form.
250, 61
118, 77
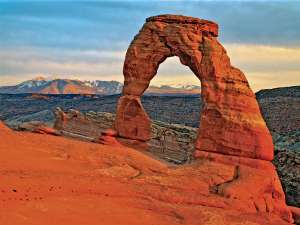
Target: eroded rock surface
174, 143
171, 142
231, 122
88, 126
48, 179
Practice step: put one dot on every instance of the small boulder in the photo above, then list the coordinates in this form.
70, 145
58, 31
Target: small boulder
110, 132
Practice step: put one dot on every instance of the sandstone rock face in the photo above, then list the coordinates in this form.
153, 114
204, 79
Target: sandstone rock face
135, 122
231, 122
87, 126
53, 180
170, 142
173, 143
37, 127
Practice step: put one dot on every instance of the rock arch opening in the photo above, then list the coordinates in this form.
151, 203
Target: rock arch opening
171, 84
172, 73
231, 122
174, 109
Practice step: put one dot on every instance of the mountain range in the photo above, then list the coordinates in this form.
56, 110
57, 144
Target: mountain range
67, 86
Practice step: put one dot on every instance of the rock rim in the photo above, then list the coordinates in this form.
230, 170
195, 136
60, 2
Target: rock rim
208, 25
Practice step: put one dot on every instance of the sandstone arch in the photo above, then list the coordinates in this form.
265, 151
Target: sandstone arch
231, 122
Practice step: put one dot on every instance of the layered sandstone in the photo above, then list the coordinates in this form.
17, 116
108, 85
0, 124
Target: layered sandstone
88, 126
170, 142
231, 122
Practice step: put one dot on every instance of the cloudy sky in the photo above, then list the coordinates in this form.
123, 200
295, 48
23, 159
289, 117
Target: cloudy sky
87, 40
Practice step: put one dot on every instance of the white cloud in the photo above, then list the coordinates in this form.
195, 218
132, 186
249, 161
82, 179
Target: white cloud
264, 66
25, 63
258, 58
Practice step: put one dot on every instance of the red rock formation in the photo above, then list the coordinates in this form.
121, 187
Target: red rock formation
108, 137
75, 124
231, 122
296, 214
48, 180
132, 121
38, 127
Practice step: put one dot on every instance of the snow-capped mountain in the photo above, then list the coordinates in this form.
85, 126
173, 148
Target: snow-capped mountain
36, 82
181, 86
107, 87
64, 86
68, 86
174, 90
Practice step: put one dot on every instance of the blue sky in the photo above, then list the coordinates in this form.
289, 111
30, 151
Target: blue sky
88, 39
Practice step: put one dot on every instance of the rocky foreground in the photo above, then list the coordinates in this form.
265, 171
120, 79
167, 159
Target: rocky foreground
54, 180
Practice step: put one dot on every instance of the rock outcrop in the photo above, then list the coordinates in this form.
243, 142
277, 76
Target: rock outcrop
54, 180
232, 130
173, 143
88, 126
231, 122
170, 142
216, 180
38, 127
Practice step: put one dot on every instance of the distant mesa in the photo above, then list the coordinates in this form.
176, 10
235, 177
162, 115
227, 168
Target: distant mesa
41, 85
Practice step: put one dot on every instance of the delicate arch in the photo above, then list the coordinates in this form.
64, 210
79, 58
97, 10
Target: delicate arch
231, 121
